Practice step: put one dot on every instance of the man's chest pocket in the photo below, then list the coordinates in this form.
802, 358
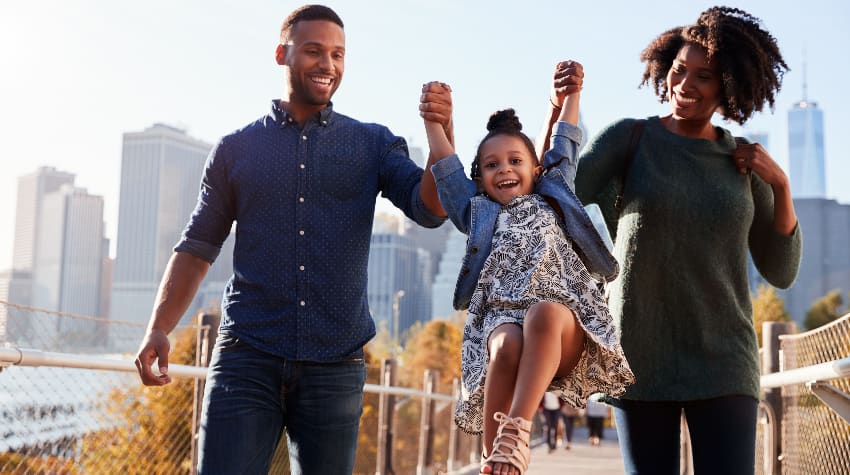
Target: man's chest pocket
345, 177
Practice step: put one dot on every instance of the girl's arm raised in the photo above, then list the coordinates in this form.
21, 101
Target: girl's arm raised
568, 79
435, 102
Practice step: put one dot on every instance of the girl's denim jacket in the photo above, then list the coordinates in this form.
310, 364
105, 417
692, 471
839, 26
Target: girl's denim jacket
475, 214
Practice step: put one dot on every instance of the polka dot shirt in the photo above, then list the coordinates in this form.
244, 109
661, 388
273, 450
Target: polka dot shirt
303, 200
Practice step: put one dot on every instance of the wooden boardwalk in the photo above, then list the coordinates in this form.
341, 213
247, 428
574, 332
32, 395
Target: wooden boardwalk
581, 459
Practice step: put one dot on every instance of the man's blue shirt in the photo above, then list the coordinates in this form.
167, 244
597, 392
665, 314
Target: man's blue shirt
303, 201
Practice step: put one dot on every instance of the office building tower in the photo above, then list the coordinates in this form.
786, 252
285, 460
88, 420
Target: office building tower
417, 154
399, 289
825, 264
432, 240
160, 175
805, 149
446, 278
69, 260
15, 324
31, 191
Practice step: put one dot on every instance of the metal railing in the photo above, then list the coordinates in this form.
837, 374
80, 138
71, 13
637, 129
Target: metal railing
805, 409
73, 404
69, 413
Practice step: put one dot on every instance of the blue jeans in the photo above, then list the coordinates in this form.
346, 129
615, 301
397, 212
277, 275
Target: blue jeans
722, 430
251, 397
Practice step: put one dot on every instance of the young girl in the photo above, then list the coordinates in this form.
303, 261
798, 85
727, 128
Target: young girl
532, 278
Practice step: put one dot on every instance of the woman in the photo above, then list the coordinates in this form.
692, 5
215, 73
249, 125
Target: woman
694, 202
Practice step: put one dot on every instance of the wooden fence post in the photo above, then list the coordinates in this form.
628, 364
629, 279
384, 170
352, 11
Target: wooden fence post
386, 409
424, 465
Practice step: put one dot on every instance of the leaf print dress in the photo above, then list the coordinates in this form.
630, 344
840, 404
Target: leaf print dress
533, 260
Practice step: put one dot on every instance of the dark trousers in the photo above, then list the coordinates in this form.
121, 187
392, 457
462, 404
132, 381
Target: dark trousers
569, 422
594, 426
551, 426
722, 430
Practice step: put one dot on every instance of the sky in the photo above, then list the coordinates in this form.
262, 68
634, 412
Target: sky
78, 74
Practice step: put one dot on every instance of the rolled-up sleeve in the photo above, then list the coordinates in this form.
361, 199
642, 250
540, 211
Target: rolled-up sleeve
401, 179
212, 218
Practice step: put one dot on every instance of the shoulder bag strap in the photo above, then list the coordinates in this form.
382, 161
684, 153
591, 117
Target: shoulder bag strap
637, 131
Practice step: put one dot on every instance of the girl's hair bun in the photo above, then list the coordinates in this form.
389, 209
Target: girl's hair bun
504, 120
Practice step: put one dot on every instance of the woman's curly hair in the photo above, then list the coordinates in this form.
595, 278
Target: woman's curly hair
747, 56
503, 122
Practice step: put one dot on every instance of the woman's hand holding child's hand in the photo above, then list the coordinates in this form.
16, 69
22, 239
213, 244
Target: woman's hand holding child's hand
568, 79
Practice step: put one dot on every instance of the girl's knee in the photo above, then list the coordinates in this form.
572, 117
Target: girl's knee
547, 317
505, 347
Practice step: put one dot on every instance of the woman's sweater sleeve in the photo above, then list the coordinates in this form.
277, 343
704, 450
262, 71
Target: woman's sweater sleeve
775, 255
602, 160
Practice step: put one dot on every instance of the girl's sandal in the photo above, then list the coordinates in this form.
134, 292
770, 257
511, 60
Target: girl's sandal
511, 447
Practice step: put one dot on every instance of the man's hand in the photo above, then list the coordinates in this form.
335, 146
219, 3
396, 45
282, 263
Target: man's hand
155, 347
435, 105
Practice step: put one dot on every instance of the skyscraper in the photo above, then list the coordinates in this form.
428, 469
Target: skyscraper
444, 282
160, 172
399, 282
16, 284
805, 148
69, 258
825, 263
32, 189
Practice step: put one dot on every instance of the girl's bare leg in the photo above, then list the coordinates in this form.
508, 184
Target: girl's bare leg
504, 348
553, 342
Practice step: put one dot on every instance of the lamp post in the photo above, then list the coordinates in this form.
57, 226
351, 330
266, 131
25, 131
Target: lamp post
396, 297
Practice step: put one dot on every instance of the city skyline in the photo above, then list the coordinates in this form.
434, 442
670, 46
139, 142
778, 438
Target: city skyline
101, 73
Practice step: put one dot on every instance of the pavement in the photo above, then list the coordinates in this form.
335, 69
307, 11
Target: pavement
581, 459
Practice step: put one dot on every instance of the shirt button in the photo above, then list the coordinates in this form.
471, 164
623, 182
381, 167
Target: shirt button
300, 199
303, 303
303, 137
302, 166
324, 122
301, 267
301, 232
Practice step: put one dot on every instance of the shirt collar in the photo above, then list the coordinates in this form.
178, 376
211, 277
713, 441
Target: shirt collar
281, 117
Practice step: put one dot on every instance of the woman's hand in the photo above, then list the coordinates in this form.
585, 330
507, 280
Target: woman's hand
568, 79
754, 157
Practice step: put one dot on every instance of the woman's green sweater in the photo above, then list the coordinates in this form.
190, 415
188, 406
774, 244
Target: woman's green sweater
682, 301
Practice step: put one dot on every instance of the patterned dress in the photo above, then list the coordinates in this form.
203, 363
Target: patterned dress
532, 260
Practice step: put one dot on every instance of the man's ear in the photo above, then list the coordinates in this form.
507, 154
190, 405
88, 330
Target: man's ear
280, 55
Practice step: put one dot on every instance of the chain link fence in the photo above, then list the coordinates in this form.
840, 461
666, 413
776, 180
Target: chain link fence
815, 439
66, 420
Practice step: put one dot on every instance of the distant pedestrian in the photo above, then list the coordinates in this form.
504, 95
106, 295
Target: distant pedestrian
596, 412
569, 413
551, 407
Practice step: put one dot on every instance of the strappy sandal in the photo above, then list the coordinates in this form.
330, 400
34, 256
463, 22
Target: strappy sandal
511, 447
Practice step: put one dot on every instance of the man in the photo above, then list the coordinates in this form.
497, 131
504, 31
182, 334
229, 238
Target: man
301, 184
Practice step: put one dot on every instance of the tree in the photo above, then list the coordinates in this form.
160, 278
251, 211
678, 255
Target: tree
146, 429
767, 307
824, 310
149, 429
435, 345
